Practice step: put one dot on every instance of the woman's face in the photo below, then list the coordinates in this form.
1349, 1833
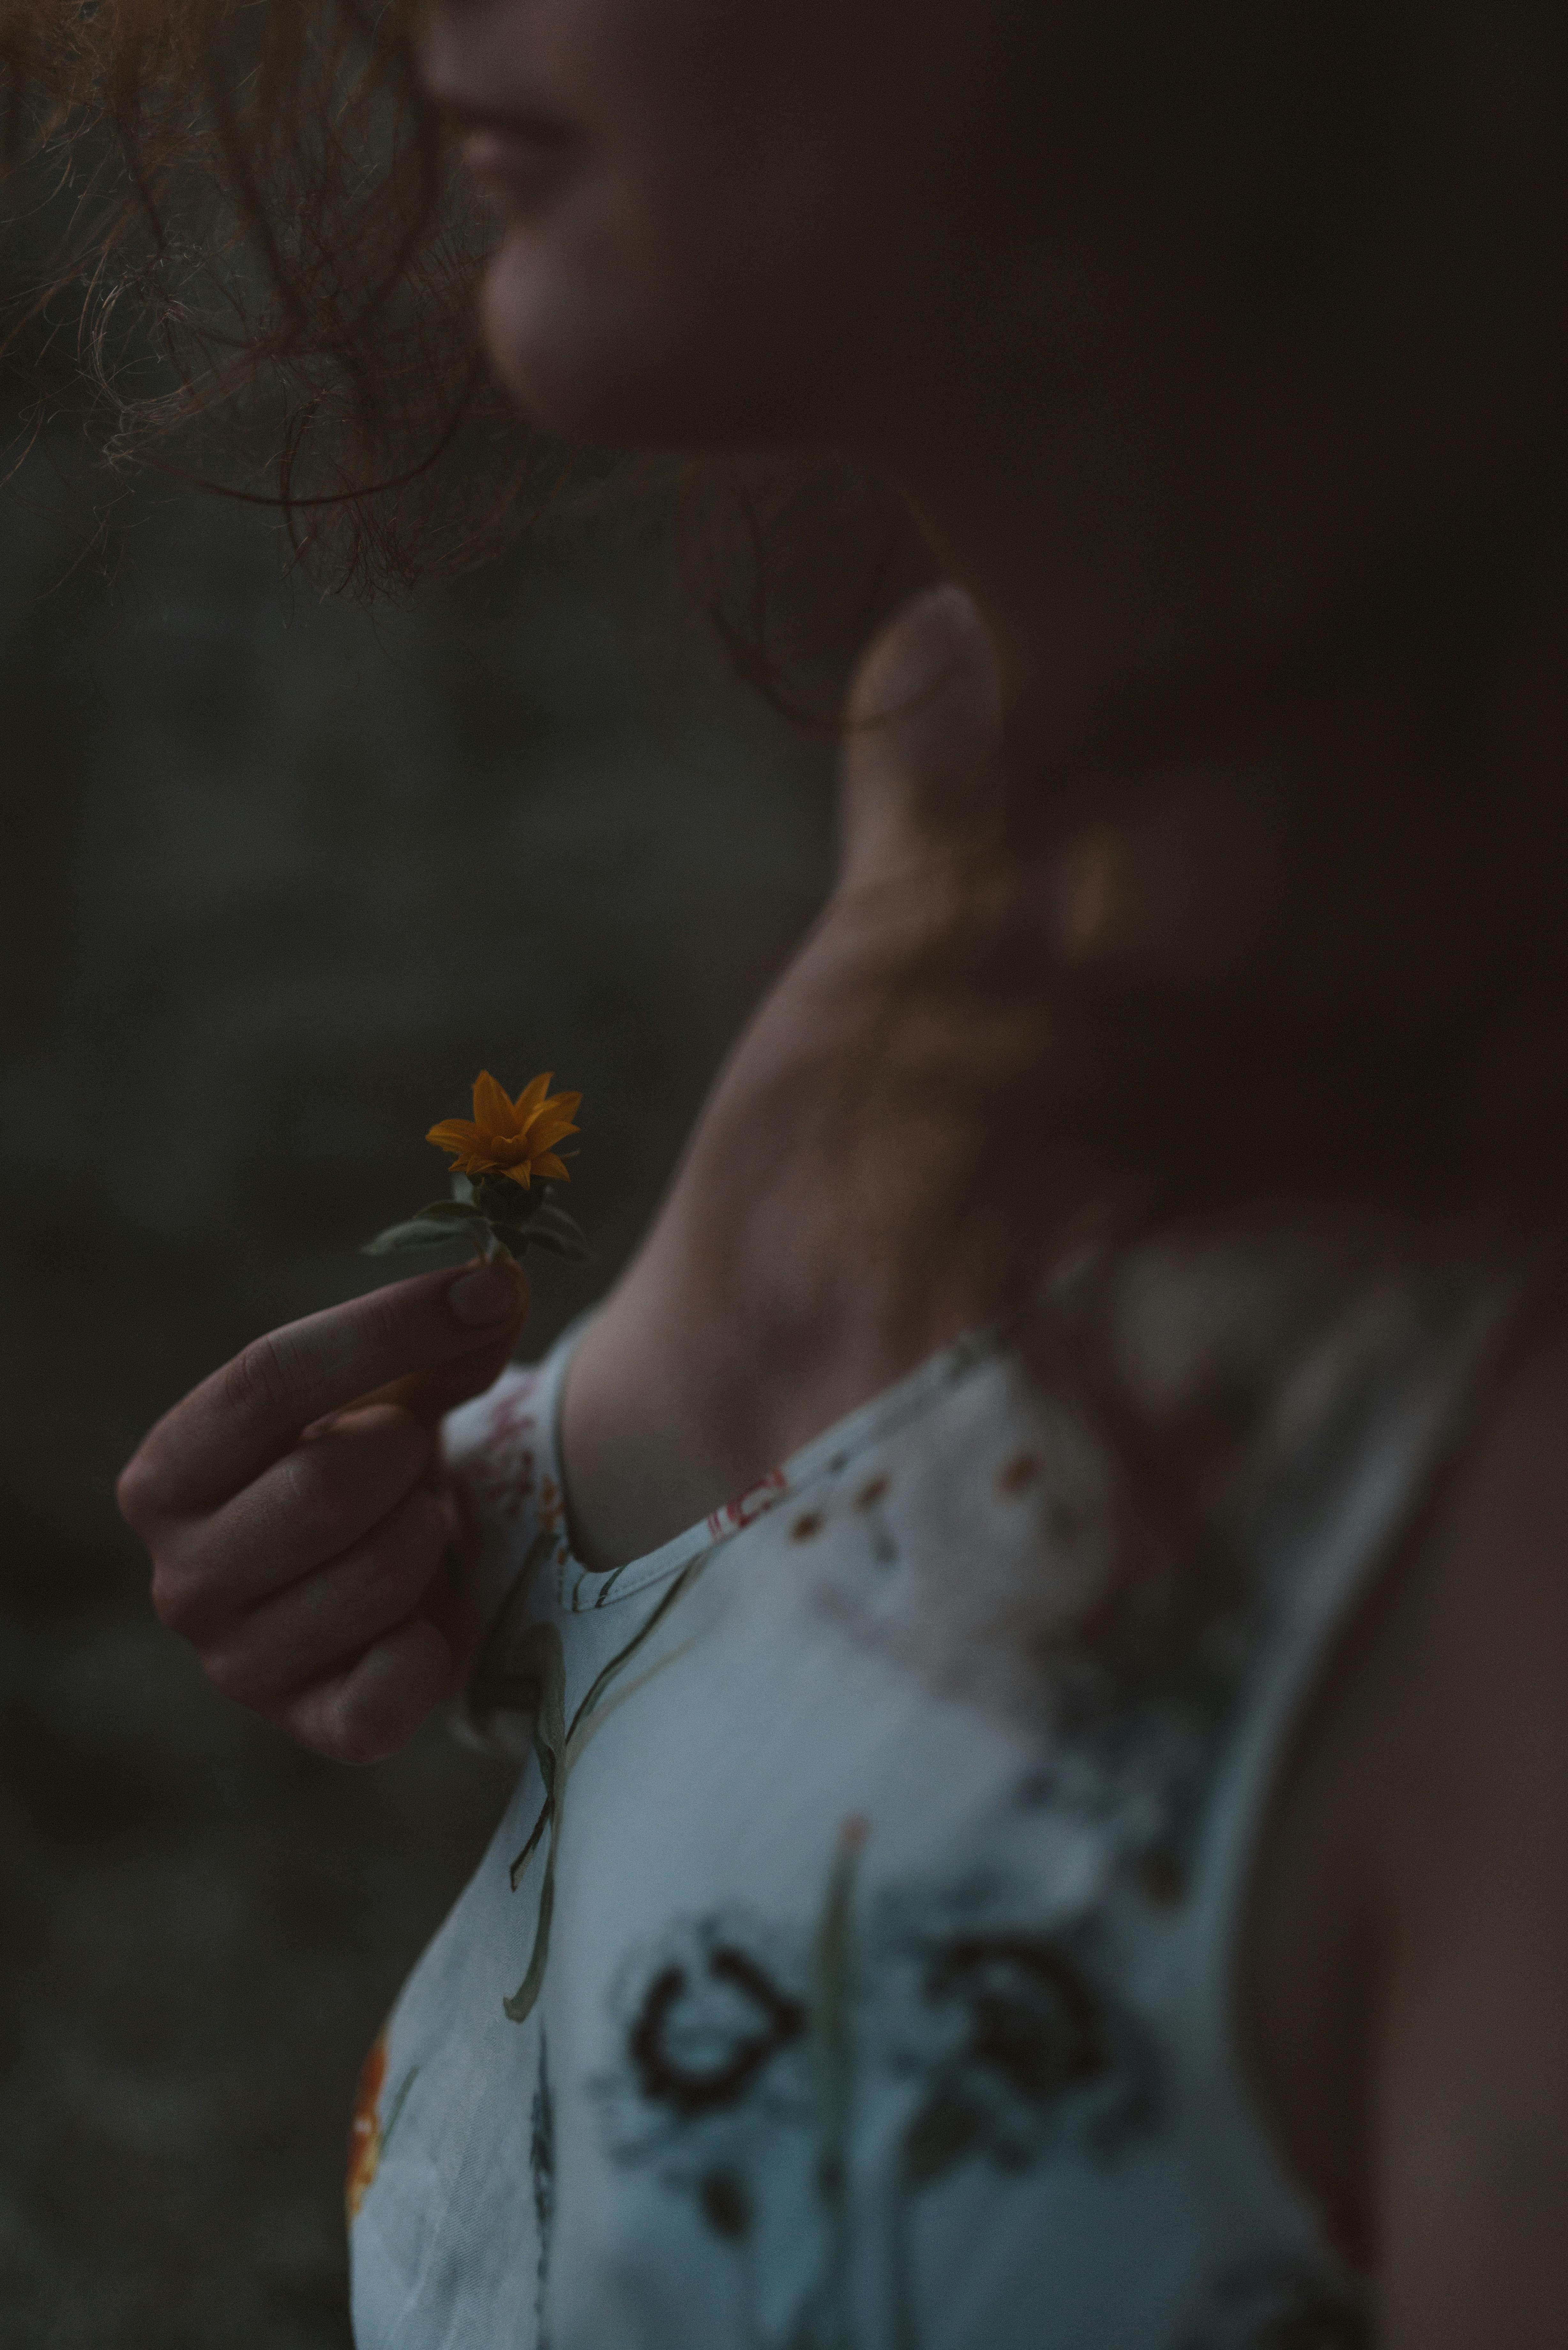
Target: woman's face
1197, 303
744, 220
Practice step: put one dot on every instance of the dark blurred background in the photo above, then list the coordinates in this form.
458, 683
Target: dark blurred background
276, 878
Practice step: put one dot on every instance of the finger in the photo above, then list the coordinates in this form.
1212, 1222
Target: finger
429, 1396
249, 1413
451, 1602
324, 1620
340, 1480
374, 1707
924, 734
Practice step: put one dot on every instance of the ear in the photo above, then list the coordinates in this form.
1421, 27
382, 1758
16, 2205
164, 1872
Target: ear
922, 756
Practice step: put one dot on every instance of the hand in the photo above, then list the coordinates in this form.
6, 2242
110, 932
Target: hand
293, 1504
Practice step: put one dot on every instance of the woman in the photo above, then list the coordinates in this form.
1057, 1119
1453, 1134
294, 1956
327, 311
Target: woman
1072, 1856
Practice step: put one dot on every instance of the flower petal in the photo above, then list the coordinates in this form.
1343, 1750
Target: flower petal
557, 1106
531, 1096
550, 1165
492, 1106
454, 1133
518, 1174
548, 1131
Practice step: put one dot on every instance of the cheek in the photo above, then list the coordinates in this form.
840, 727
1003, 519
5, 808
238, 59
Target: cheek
600, 318
579, 336
632, 306
669, 306
748, 251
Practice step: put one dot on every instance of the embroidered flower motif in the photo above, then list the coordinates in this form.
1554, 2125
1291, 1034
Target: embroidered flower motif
713, 2026
514, 1139
752, 1503
498, 1474
551, 1510
369, 2131
701, 2040
732, 2086
365, 2129
1016, 2043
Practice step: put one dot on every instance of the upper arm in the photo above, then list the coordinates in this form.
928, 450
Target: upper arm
1470, 2090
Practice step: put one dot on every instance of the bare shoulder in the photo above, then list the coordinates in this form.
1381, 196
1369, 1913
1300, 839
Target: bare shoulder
1468, 2142
1409, 1943
1444, 1721
1478, 1638
1409, 1949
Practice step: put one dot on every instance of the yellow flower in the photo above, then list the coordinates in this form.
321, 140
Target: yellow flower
509, 1137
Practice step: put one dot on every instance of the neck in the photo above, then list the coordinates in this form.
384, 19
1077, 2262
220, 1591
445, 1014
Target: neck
1052, 996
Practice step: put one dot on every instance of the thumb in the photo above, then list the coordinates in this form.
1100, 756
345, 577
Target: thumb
431, 1394
922, 752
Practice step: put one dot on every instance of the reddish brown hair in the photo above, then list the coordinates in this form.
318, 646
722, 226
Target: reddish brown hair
246, 213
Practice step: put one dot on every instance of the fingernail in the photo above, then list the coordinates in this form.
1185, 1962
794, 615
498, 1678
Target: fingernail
492, 1293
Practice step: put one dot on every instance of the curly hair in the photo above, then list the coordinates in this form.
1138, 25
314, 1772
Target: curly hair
245, 218
246, 213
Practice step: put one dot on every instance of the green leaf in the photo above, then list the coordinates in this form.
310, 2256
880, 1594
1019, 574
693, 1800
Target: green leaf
452, 1211
553, 1229
420, 1233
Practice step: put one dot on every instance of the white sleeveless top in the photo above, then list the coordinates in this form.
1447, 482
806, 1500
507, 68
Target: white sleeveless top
853, 1968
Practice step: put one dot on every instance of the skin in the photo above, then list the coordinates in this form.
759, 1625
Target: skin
295, 1509
1011, 255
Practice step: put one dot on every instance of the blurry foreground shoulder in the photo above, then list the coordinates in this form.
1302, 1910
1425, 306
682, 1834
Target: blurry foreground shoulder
1468, 2098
